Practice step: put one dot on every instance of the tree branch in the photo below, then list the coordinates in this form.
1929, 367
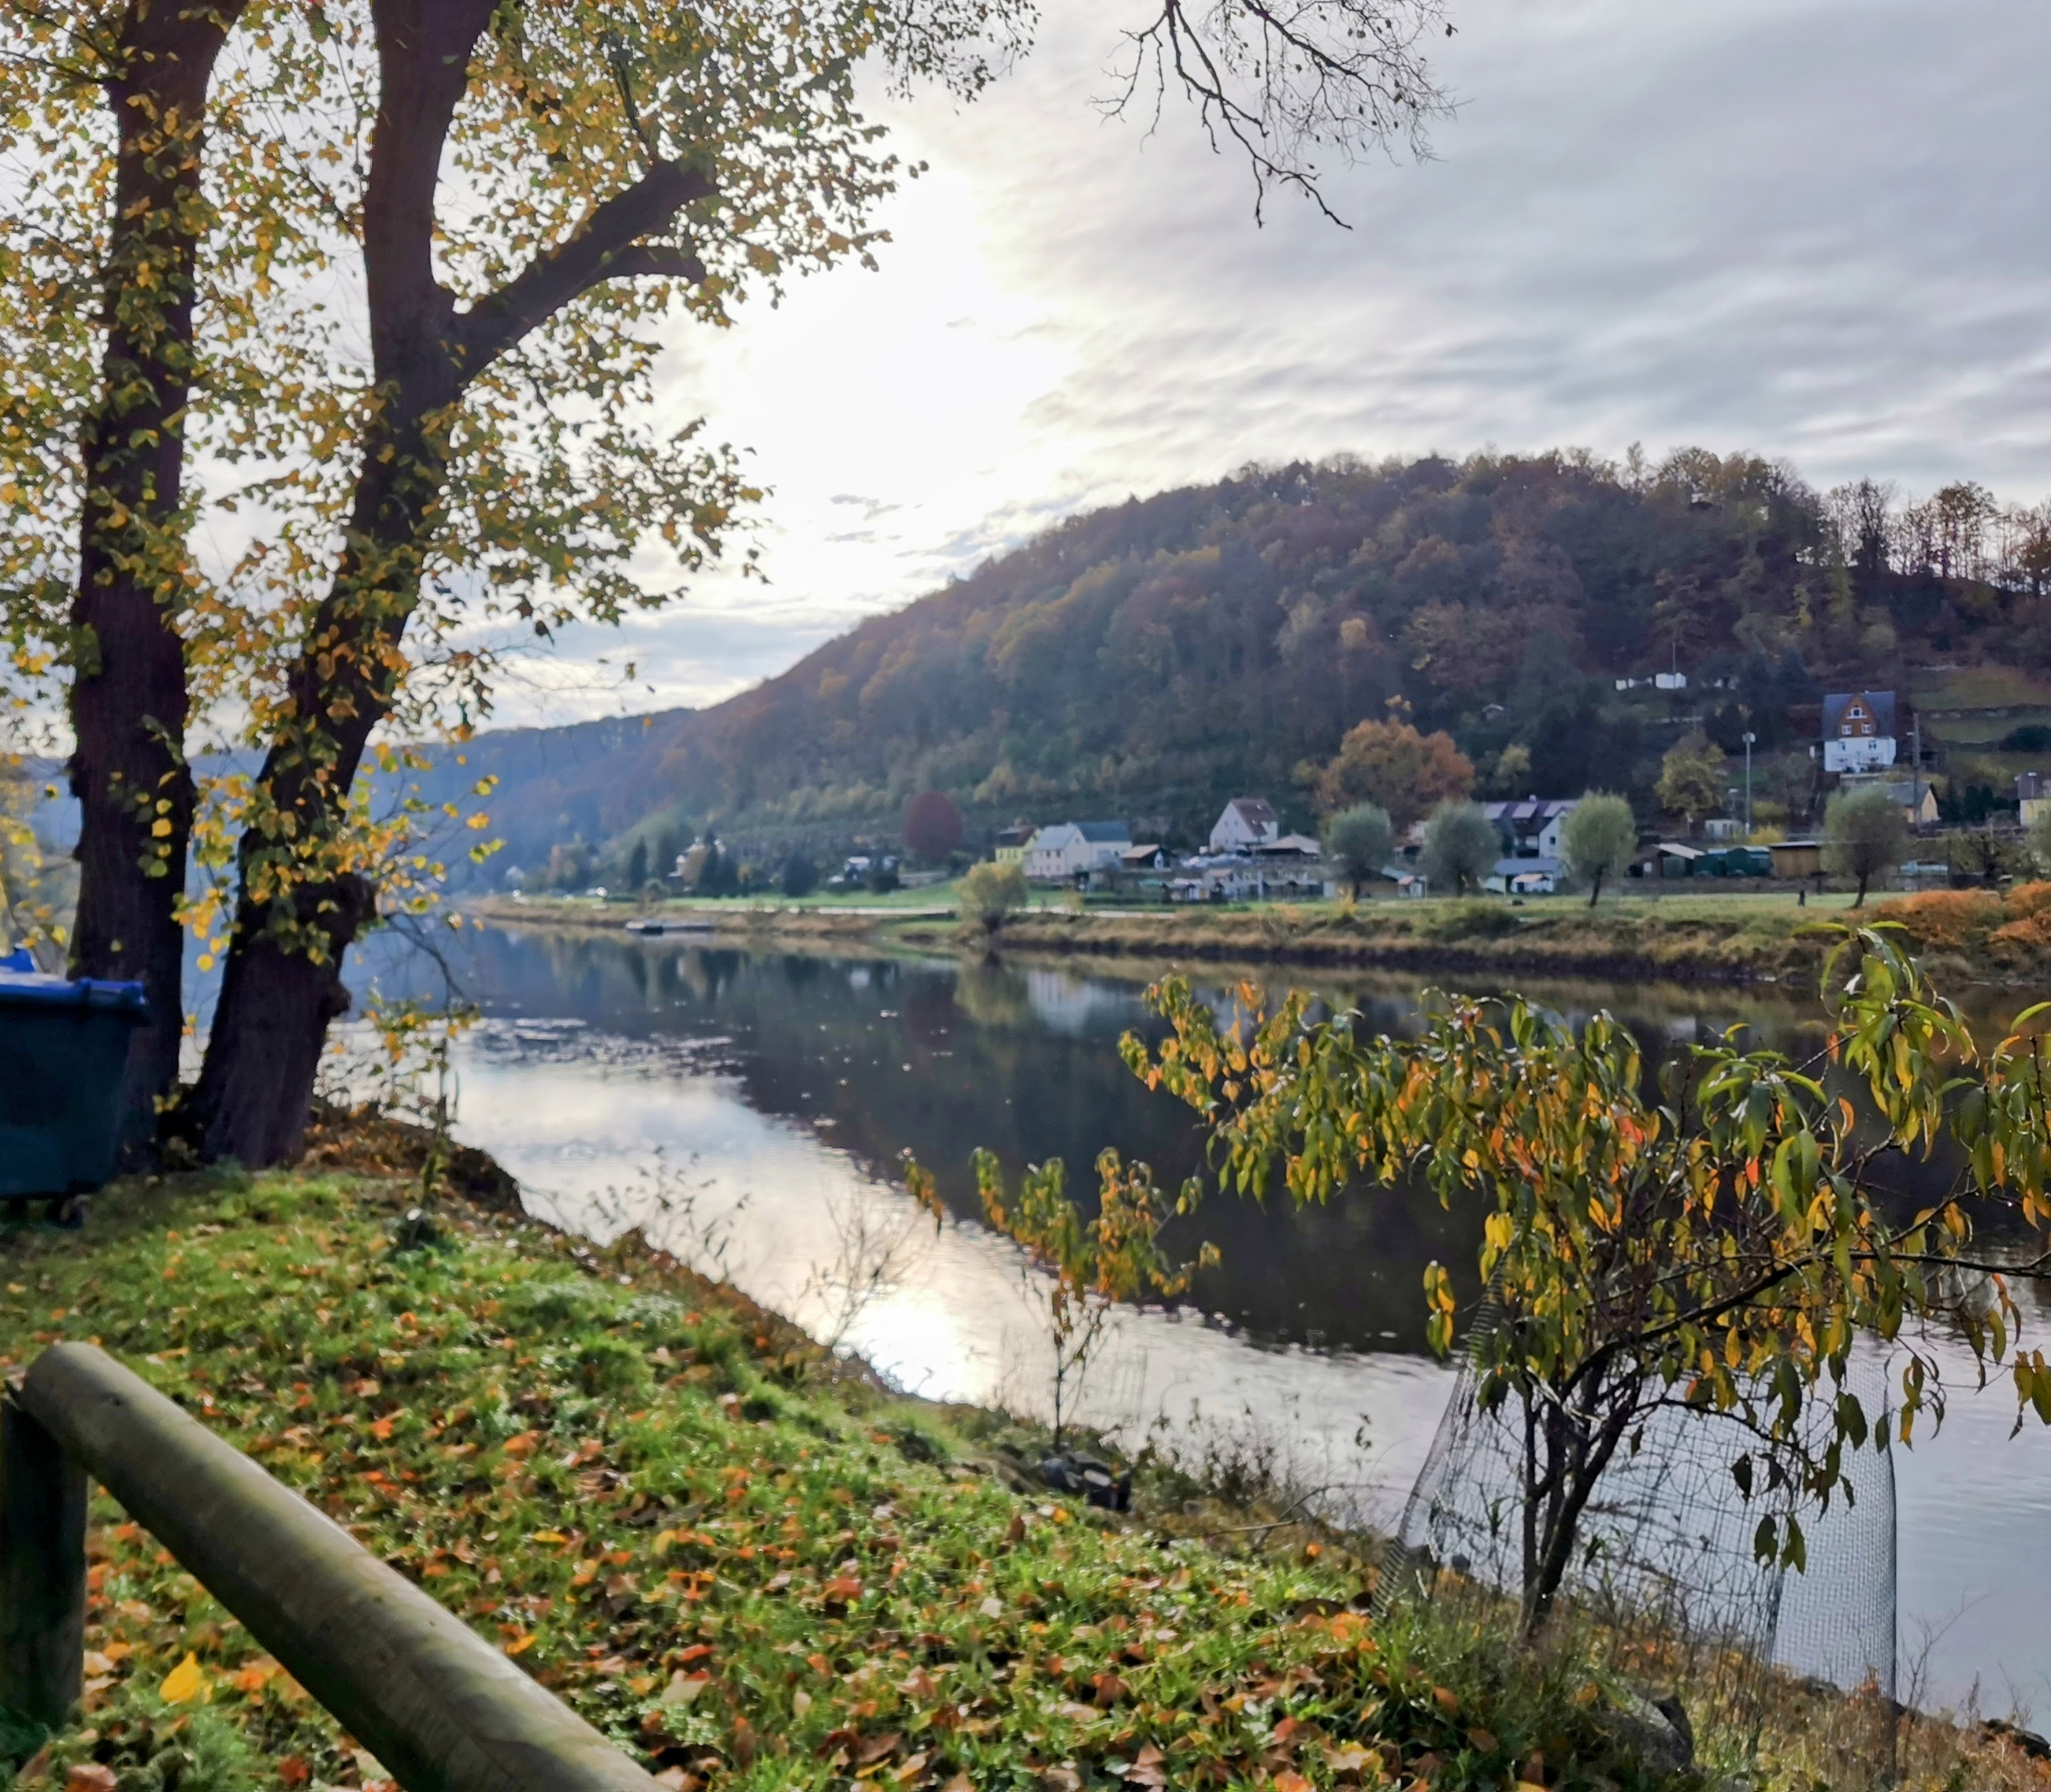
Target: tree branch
607, 247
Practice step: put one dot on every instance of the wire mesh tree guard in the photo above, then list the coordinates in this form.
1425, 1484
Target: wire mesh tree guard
1666, 1592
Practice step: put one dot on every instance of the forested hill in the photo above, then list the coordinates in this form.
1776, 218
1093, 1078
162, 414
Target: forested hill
1149, 660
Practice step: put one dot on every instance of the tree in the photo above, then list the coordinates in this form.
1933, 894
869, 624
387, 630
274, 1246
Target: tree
605, 159
800, 876
1597, 839
637, 866
1461, 847
1722, 1247
1389, 763
1083, 1271
120, 224
990, 894
1363, 840
932, 826
1691, 778
1865, 832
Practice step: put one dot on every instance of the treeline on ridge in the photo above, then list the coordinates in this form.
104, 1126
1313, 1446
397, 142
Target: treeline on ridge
1149, 660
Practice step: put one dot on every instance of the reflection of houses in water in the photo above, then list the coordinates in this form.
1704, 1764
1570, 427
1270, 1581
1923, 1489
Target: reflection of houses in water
1072, 1005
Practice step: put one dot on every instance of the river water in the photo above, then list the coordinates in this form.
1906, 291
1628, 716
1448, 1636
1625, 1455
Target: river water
748, 1111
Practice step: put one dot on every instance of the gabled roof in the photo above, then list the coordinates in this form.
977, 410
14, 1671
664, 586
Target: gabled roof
1300, 845
1104, 833
1256, 811
1881, 703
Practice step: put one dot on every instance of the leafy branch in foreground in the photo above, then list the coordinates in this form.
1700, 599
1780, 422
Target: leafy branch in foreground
1085, 1269
1723, 1247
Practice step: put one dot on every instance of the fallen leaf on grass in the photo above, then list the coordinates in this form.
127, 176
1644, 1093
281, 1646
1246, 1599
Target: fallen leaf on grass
520, 1645
1483, 1739
185, 1681
293, 1770
89, 1776
684, 1688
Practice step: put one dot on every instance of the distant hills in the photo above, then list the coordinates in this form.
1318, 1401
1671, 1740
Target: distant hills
1149, 660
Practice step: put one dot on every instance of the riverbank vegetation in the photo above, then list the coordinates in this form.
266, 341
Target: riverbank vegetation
747, 1564
1988, 936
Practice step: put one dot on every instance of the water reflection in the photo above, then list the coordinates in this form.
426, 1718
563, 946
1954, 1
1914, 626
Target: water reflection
777, 1090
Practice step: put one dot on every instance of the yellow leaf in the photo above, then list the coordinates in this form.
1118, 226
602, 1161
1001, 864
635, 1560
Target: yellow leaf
185, 1681
550, 1537
520, 1645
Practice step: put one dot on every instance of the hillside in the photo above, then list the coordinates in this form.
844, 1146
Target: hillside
1149, 660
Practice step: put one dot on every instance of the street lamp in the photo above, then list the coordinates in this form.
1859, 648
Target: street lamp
1748, 739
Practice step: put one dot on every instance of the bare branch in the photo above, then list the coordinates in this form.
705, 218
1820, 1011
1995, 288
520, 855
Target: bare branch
1284, 79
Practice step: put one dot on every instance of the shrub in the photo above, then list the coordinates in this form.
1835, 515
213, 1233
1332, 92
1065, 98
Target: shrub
989, 894
1944, 920
2027, 899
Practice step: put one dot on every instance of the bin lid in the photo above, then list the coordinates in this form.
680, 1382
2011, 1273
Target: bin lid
33, 989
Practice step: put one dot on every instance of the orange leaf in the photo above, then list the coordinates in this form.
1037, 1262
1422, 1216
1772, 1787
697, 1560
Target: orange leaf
520, 1645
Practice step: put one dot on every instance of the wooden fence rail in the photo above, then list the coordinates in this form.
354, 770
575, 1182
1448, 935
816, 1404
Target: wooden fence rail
439, 1706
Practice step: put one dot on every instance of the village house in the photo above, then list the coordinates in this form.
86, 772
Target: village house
2033, 797
1248, 821
1060, 853
1858, 730
1012, 842
1530, 829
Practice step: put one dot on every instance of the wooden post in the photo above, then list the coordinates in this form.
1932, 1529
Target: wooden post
42, 1570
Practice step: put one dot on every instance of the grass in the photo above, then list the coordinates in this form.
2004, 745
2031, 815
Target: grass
750, 1567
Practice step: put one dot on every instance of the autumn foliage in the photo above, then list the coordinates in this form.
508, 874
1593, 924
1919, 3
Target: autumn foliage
1391, 764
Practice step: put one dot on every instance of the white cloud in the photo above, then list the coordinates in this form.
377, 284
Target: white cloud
1811, 228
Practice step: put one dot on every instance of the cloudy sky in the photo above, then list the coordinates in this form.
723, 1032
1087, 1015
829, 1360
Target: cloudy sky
1814, 228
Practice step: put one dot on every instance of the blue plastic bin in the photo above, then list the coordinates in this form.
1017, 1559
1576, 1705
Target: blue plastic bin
63, 1045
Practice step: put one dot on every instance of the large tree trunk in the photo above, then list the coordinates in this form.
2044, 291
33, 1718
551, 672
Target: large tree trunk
129, 698
283, 985
255, 1091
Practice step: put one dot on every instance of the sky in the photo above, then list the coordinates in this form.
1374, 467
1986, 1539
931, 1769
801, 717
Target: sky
1814, 229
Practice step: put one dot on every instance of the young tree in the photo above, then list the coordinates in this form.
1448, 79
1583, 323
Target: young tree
637, 866
1723, 1248
1084, 1270
932, 826
1461, 847
988, 895
1363, 839
1390, 764
1597, 839
1863, 833
1691, 778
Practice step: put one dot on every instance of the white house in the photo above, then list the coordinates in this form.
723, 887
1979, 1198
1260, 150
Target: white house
1858, 730
1067, 849
1531, 828
1248, 821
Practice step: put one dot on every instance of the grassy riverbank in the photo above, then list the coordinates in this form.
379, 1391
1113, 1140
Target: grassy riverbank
748, 1564
1967, 936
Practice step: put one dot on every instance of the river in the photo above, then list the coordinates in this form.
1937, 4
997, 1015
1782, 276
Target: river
747, 1109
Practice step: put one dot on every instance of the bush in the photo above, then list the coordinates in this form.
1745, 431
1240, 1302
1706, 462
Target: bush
989, 894
2027, 899
1944, 920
